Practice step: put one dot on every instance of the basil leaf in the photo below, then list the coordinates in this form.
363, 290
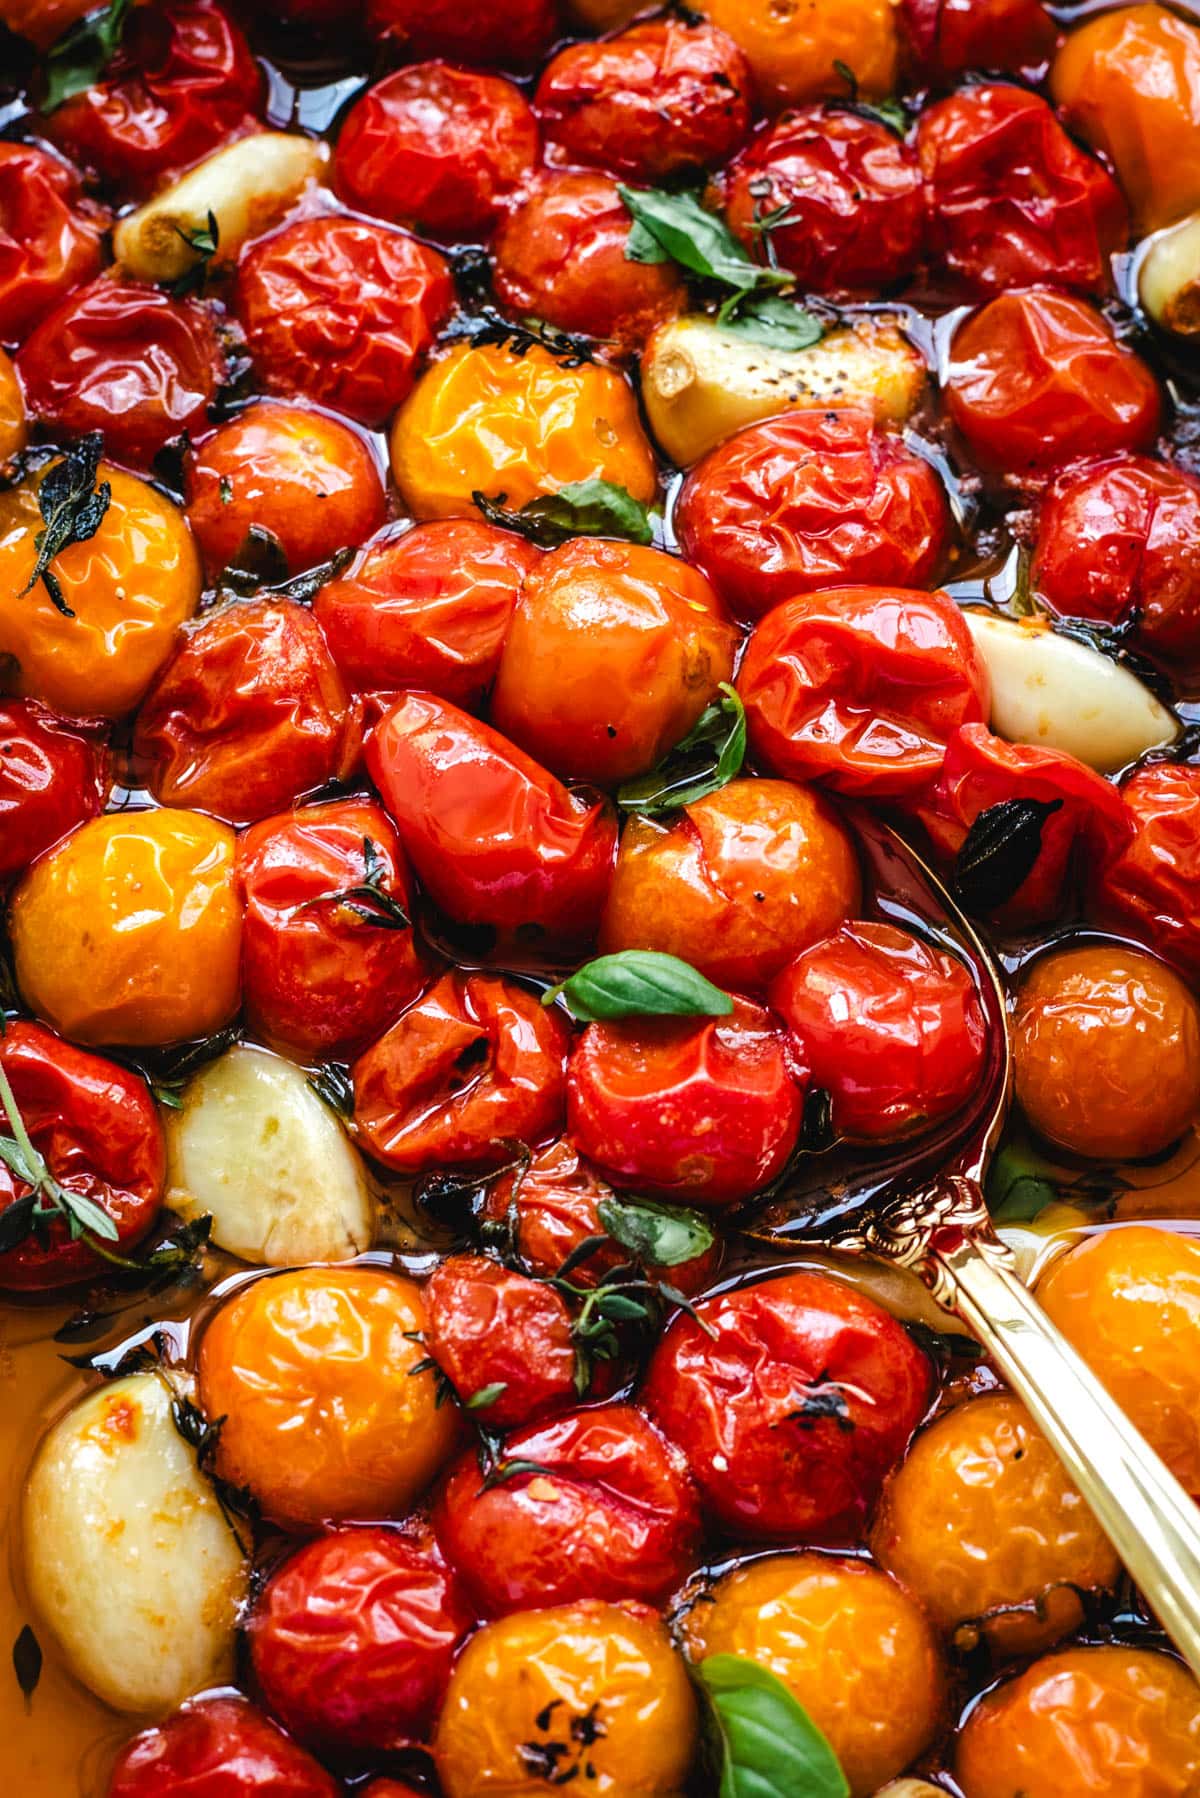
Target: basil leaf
770, 1746
27, 1661
83, 52
591, 508
639, 983
698, 240
772, 320
703, 762
1000, 850
72, 509
661, 1235
1018, 1186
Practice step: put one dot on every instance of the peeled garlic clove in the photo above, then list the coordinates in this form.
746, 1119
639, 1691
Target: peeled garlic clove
130, 1564
255, 1148
1169, 278
910, 1788
1057, 693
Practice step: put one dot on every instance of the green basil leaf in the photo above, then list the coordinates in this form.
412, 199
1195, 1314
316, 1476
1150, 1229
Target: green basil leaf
698, 240
703, 762
659, 1235
83, 52
772, 320
639, 983
591, 508
999, 851
770, 1746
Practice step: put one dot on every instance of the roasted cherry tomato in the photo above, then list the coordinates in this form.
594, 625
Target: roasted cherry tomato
468, 30
1013, 200
41, 21
445, 150
594, 1505
181, 81
494, 838
862, 687
791, 1402
707, 1110
125, 360
14, 426
1152, 887
847, 193
613, 653
51, 779
49, 236
1106, 1052
891, 1028
946, 37
1037, 379
249, 714
492, 1328
475, 1066
811, 499
326, 961
342, 310
353, 1638
794, 50
663, 98
217, 1748
97, 1127
304, 478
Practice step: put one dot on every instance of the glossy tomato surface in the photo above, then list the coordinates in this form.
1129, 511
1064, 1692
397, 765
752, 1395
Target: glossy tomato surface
218, 1748
49, 236
52, 778
1150, 887
502, 1340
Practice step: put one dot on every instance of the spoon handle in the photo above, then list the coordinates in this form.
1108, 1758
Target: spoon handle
1146, 1514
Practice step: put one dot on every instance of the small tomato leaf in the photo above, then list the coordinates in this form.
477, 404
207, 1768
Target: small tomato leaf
27, 1661
703, 762
769, 1745
591, 508
1000, 850
639, 983
658, 1235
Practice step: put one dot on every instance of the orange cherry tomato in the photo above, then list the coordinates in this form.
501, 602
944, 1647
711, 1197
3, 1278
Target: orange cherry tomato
491, 1327
14, 428
1151, 887
794, 46
468, 30
49, 236
194, 1751
51, 779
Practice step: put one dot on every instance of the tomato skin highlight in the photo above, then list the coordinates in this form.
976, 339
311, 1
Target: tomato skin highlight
1151, 886
49, 236
52, 778
946, 37
217, 1748
490, 1326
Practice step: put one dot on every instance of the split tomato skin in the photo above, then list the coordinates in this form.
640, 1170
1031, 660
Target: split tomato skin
217, 1748
490, 1326
52, 236
52, 778
1150, 888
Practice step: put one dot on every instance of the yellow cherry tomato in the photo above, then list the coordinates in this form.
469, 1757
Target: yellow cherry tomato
484, 420
13, 429
130, 587
792, 46
130, 930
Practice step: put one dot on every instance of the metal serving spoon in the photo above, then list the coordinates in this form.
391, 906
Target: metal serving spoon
928, 1214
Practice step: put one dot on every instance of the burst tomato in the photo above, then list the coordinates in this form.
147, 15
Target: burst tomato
217, 1748
49, 236
51, 779
1151, 888
489, 1326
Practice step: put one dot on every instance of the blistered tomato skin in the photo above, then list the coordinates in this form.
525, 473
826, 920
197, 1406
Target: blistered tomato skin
759, 1402
353, 1639
472, 1068
610, 1512
862, 687
50, 236
323, 976
97, 1127
1151, 889
52, 778
443, 149
469, 31
489, 1326
207, 1746
808, 500
494, 838
891, 1028
704, 1110
946, 37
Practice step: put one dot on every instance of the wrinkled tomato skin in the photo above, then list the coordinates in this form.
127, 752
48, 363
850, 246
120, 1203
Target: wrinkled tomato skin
125, 360
947, 37
342, 310
494, 838
321, 979
610, 1514
735, 1402
217, 1748
1013, 200
444, 150
862, 687
181, 82
891, 1027
662, 98
472, 31
248, 715
488, 1326
353, 1639
852, 196
49, 237
807, 500
98, 1129
1151, 889
429, 609
706, 1110
1036, 379
51, 779
476, 1065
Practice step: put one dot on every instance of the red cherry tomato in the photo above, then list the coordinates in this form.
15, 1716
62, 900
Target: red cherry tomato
707, 1110
51, 779
862, 687
475, 1066
125, 360
1037, 379
353, 1638
790, 1406
49, 236
1151, 889
811, 499
851, 194
494, 838
429, 609
488, 1326
181, 81
509, 37
323, 975
662, 98
1013, 199
948, 36
218, 1748
607, 1512
342, 310
442, 149
249, 714
892, 1028
97, 1127
560, 256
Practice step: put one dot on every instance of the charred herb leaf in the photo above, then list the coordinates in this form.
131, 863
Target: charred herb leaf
80, 56
677, 228
571, 351
591, 508
639, 983
767, 1744
659, 1235
204, 243
332, 1083
27, 1662
1000, 850
72, 507
367, 900
703, 762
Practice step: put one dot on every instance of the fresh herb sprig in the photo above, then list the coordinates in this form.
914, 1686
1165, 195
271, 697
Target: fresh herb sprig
72, 508
47, 1199
204, 242
591, 508
708, 758
367, 899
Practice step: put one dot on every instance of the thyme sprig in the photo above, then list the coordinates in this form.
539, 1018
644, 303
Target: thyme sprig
47, 1198
367, 899
72, 508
